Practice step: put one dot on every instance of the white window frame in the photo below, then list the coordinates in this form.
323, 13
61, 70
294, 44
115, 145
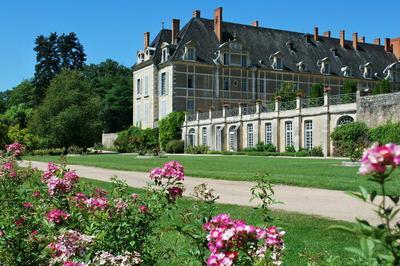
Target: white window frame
138, 87
163, 83
308, 134
326, 68
191, 137
188, 107
250, 135
278, 60
146, 86
204, 136
268, 133
289, 134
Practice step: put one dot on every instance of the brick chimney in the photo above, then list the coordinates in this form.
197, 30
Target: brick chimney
387, 45
396, 47
361, 39
218, 23
146, 39
175, 29
377, 41
355, 41
327, 34
342, 38
254, 23
196, 14
316, 33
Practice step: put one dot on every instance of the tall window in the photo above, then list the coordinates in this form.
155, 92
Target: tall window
244, 60
190, 105
190, 81
250, 135
164, 56
204, 136
146, 86
226, 59
138, 115
146, 113
244, 84
308, 134
226, 83
218, 138
368, 72
262, 85
279, 63
138, 87
288, 133
191, 137
190, 53
268, 133
163, 83
233, 138
326, 68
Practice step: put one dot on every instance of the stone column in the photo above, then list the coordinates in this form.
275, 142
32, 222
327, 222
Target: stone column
325, 126
278, 125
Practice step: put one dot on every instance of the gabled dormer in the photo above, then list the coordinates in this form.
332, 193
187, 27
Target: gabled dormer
190, 52
140, 56
346, 71
366, 70
392, 72
276, 60
301, 66
324, 66
232, 53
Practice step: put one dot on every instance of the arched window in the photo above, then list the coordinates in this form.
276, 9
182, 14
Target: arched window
191, 137
250, 136
345, 120
233, 143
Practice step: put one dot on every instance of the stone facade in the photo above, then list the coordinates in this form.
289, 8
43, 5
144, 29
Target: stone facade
107, 139
377, 109
304, 123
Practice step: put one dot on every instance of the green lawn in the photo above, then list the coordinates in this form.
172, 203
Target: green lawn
304, 234
305, 172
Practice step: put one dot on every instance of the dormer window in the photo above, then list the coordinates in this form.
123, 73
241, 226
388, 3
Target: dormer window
367, 70
276, 60
140, 56
346, 71
301, 67
325, 66
190, 52
164, 52
392, 72
226, 59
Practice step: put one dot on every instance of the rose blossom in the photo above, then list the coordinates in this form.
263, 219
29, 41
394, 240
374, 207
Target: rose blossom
56, 216
175, 192
27, 205
143, 209
376, 159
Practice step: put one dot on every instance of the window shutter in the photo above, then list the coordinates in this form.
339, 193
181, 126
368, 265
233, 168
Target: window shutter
159, 84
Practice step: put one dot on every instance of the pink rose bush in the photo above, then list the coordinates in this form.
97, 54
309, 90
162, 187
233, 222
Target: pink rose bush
57, 216
169, 178
58, 179
15, 149
228, 239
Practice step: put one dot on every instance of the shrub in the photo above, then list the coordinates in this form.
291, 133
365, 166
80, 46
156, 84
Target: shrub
170, 127
290, 149
317, 152
286, 92
200, 149
265, 147
75, 150
175, 146
135, 139
350, 140
44, 152
386, 133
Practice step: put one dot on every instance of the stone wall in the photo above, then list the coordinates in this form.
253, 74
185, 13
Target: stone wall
378, 109
108, 139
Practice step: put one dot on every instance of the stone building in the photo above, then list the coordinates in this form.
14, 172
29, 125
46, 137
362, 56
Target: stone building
211, 63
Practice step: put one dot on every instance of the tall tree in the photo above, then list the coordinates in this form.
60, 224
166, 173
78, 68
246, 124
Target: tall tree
4, 100
69, 114
113, 83
54, 53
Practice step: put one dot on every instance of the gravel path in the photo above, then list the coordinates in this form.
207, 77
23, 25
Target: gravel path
326, 203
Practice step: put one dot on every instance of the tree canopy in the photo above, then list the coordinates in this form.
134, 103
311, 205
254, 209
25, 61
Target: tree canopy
69, 114
54, 53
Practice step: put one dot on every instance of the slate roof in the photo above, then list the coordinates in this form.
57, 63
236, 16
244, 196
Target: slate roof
261, 43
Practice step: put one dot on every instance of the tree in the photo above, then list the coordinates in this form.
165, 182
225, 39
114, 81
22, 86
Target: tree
383, 86
69, 114
22, 94
4, 100
286, 92
170, 127
113, 83
317, 90
53, 53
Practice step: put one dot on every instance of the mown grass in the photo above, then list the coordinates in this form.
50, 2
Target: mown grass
305, 234
305, 172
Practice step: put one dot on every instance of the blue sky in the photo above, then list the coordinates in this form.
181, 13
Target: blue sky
114, 29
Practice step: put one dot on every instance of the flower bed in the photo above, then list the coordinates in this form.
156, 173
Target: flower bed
52, 218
